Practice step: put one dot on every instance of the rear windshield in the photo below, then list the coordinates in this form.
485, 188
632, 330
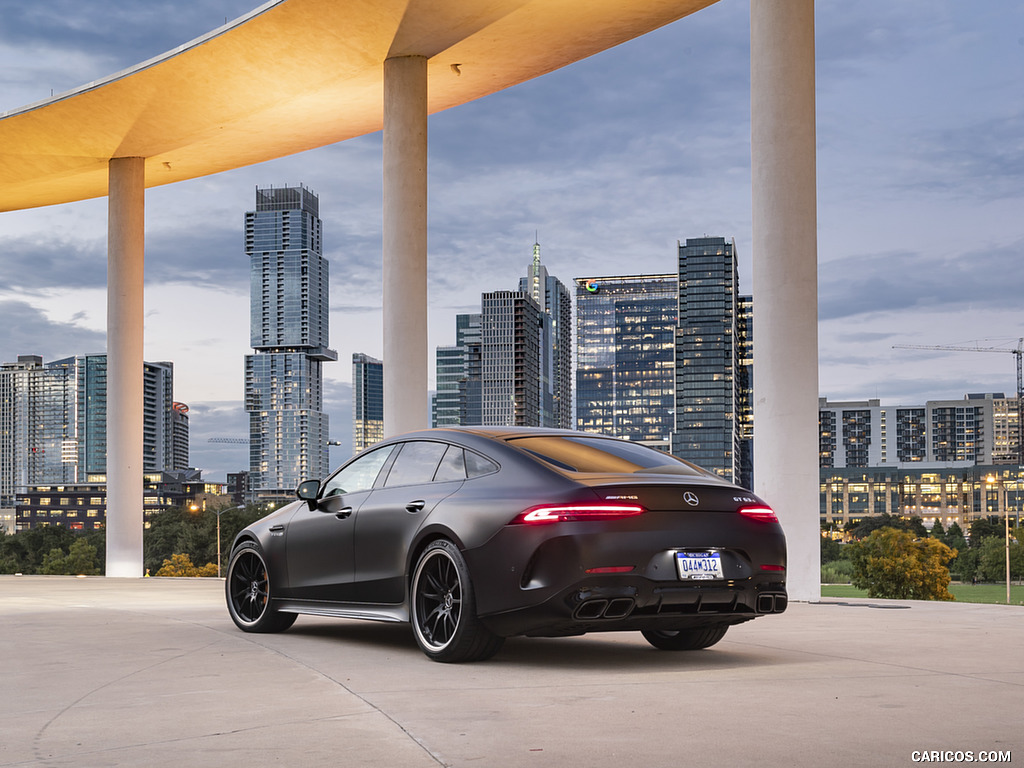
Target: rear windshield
602, 454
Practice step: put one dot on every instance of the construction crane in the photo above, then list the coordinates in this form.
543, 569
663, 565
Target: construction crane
1018, 353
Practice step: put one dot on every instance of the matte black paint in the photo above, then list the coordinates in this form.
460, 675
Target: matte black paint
352, 555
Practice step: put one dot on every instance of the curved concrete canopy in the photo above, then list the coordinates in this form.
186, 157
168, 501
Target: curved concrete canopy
294, 75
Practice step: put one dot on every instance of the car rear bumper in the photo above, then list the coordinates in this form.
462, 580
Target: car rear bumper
569, 578
612, 604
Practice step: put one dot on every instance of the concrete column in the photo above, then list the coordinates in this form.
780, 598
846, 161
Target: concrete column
405, 244
785, 279
125, 256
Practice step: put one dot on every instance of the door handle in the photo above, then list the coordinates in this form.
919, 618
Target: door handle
342, 513
416, 506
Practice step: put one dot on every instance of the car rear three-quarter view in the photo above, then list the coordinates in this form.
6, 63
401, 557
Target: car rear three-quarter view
476, 534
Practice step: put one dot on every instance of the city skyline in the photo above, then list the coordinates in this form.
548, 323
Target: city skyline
53, 425
613, 160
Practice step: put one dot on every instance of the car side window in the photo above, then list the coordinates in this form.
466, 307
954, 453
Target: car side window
452, 466
477, 465
360, 475
416, 463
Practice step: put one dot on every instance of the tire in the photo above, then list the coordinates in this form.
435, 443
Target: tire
443, 608
248, 591
685, 639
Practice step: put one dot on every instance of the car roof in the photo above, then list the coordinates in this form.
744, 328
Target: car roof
499, 433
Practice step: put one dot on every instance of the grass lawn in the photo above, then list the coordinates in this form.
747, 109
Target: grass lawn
965, 593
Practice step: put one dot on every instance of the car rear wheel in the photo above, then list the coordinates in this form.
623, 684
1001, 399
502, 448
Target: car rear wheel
248, 590
685, 639
444, 617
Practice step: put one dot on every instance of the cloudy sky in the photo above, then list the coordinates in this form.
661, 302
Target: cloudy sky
609, 163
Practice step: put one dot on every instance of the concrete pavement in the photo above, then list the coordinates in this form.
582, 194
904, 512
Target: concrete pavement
151, 672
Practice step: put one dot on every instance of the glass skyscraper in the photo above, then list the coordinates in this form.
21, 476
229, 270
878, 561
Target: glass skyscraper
53, 422
92, 414
180, 435
710, 357
458, 377
510, 359
745, 335
555, 303
625, 349
288, 429
38, 424
367, 401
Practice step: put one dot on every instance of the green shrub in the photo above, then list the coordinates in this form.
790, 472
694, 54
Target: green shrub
837, 572
894, 564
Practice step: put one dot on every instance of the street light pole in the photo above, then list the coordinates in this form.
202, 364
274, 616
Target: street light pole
218, 545
219, 513
998, 482
1006, 520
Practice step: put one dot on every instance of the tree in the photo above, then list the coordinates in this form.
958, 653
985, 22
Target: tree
837, 572
13, 554
938, 531
916, 526
831, 550
965, 564
985, 527
98, 540
80, 560
873, 523
182, 531
53, 562
26, 551
992, 559
39, 542
893, 564
954, 538
863, 529
181, 565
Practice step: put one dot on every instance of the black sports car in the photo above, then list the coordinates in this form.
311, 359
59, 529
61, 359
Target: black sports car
475, 534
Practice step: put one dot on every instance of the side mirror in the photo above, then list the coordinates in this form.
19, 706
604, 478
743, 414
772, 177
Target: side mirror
307, 492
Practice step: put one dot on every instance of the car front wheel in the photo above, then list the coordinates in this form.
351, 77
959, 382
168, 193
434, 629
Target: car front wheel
685, 639
248, 590
444, 617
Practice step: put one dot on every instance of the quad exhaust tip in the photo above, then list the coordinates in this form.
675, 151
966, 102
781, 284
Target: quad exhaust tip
771, 603
617, 608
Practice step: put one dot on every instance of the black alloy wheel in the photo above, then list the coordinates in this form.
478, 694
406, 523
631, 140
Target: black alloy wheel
685, 639
248, 591
444, 617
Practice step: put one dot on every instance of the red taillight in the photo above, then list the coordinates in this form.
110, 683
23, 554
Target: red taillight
612, 569
761, 514
560, 513
766, 567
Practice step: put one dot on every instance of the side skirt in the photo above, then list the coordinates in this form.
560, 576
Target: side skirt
395, 613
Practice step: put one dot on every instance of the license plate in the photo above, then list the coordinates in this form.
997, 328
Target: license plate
699, 566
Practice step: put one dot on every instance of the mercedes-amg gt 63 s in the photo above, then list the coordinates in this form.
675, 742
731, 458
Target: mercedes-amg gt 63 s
476, 534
